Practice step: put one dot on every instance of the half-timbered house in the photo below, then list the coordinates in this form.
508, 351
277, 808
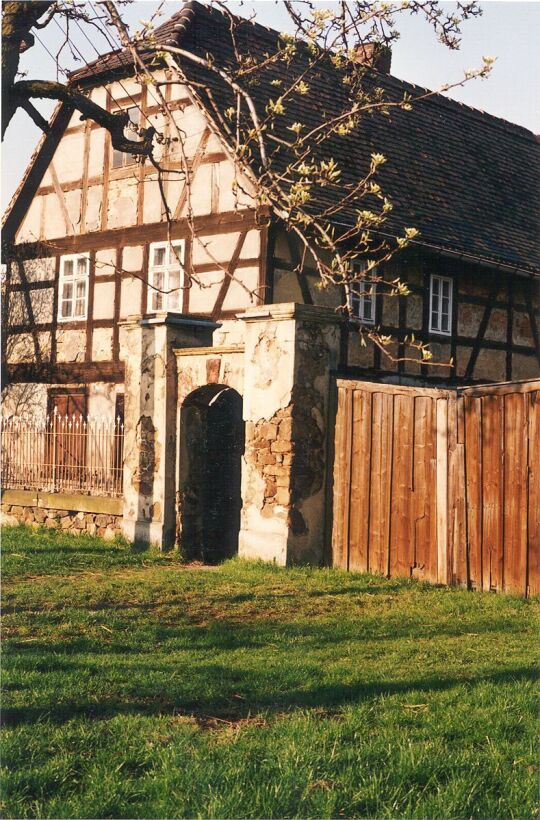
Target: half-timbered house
97, 272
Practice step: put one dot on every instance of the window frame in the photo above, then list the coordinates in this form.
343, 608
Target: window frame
166, 269
442, 280
358, 300
74, 278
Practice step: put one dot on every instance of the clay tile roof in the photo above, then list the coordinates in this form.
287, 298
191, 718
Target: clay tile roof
468, 181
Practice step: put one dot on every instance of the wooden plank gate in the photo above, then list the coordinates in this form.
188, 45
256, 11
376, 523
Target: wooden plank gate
439, 484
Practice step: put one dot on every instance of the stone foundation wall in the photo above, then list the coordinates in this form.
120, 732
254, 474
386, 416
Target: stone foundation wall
77, 523
77, 514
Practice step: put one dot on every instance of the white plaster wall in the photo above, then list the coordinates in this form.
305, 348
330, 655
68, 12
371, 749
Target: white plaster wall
132, 258
28, 400
94, 200
208, 248
37, 270
97, 152
152, 205
41, 305
230, 332
231, 194
204, 291
73, 205
271, 350
102, 400
20, 348
192, 372
29, 228
54, 223
243, 290
122, 205
68, 158
201, 191
103, 300
105, 262
102, 340
130, 296
71, 345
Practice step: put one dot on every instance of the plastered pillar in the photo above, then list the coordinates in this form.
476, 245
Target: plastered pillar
150, 421
290, 351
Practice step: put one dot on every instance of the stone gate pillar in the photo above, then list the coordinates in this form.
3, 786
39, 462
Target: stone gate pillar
150, 414
290, 351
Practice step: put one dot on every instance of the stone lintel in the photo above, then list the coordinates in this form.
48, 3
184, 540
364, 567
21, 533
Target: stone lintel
291, 310
208, 351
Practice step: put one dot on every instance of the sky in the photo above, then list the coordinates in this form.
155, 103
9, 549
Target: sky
507, 30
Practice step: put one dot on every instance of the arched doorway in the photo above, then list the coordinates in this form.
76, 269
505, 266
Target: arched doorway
211, 447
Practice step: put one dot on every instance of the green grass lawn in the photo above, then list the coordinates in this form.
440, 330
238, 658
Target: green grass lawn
134, 687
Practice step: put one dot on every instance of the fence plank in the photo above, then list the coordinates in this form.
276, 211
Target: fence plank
422, 458
473, 487
340, 541
381, 483
460, 568
533, 517
452, 499
442, 491
492, 521
401, 547
360, 478
515, 493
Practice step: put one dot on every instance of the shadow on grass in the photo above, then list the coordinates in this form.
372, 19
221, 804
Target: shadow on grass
246, 696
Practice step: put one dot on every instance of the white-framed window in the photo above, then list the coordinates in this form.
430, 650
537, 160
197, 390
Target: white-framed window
166, 276
440, 304
119, 158
73, 286
364, 296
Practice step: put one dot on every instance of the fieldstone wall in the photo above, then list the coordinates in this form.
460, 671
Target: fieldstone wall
76, 522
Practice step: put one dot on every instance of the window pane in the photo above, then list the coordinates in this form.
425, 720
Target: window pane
134, 114
79, 307
435, 284
65, 311
435, 321
81, 289
445, 323
368, 315
176, 254
159, 256
174, 288
445, 287
67, 290
68, 267
157, 281
117, 159
81, 265
434, 302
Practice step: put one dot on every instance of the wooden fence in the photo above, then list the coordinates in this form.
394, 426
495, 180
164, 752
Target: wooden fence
438, 484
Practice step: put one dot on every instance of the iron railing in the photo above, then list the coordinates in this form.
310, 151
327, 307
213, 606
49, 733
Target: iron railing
63, 454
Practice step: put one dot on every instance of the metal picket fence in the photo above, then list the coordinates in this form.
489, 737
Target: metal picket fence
63, 454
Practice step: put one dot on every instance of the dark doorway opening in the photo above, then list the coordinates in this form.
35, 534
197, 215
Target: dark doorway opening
211, 447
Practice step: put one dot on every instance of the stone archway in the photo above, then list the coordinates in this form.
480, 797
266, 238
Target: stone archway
211, 447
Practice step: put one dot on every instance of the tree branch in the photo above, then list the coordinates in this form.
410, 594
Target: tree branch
115, 123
